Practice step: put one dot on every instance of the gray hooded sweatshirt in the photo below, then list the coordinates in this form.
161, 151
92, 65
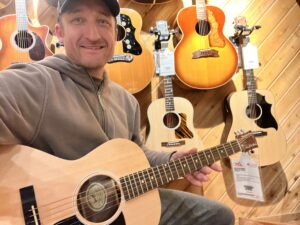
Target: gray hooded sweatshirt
55, 106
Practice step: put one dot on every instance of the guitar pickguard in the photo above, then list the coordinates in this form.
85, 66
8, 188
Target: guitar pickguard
266, 120
130, 44
38, 51
183, 131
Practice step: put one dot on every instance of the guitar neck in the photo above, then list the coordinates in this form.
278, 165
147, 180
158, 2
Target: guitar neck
201, 10
138, 183
169, 97
21, 15
251, 87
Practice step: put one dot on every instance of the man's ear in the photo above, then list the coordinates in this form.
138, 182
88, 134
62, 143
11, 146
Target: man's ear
59, 32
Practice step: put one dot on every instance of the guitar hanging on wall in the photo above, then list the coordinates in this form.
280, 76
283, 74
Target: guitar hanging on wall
204, 57
132, 65
170, 118
21, 42
252, 108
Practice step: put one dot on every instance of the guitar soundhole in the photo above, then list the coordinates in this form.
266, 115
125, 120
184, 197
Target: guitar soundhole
23, 39
253, 111
98, 198
203, 27
171, 120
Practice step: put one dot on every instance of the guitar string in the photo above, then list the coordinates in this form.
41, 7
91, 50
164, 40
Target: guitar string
226, 148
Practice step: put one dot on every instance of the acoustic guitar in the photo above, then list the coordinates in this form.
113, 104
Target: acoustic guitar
254, 109
132, 65
21, 42
170, 118
113, 184
204, 57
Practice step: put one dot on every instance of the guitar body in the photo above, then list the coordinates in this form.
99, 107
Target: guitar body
271, 147
57, 182
135, 75
177, 129
204, 72
11, 52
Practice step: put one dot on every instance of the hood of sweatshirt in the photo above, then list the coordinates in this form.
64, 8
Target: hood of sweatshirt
65, 67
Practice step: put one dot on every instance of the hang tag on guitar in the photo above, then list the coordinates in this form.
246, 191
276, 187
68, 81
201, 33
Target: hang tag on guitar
247, 178
166, 62
250, 57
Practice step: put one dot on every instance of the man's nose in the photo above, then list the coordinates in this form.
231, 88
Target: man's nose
92, 32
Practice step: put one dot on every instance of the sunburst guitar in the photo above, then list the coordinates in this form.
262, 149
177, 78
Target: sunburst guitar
21, 42
204, 57
113, 184
255, 109
132, 65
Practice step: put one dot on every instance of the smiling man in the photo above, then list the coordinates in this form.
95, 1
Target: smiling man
65, 105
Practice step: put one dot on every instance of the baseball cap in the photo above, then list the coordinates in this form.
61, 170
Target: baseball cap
113, 5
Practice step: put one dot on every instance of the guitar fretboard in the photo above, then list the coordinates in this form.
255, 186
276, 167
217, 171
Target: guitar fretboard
138, 183
251, 87
21, 15
201, 10
169, 96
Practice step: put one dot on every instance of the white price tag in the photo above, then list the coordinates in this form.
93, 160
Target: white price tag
250, 57
166, 63
247, 178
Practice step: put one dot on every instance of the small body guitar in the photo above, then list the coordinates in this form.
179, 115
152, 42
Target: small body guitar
20, 41
204, 57
132, 65
113, 184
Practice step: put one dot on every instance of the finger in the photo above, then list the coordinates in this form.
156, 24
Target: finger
200, 176
205, 170
193, 181
216, 167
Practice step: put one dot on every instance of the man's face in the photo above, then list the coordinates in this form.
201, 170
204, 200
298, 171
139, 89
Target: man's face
88, 32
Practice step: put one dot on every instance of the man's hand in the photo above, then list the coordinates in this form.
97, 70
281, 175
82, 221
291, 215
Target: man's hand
201, 175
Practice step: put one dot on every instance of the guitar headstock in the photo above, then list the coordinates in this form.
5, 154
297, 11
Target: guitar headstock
162, 32
246, 140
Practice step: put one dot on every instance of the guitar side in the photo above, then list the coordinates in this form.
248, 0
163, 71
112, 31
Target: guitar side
56, 181
203, 72
271, 147
11, 53
160, 133
134, 76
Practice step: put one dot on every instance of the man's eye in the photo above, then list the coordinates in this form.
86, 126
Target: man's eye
77, 20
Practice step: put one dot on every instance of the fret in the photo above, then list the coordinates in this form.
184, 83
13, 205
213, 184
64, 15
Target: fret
148, 179
179, 167
188, 164
209, 157
197, 160
184, 167
173, 167
21, 15
153, 177
142, 181
128, 187
133, 185
201, 10
158, 175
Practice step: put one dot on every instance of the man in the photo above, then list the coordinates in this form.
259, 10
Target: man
66, 106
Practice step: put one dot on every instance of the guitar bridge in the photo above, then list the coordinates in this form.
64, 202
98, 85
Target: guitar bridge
204, 53
170, 144
29, 206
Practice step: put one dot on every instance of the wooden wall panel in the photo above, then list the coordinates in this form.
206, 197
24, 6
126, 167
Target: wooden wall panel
279, 46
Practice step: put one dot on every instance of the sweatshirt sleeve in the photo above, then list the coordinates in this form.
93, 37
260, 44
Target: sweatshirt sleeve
154, 157
22, 95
